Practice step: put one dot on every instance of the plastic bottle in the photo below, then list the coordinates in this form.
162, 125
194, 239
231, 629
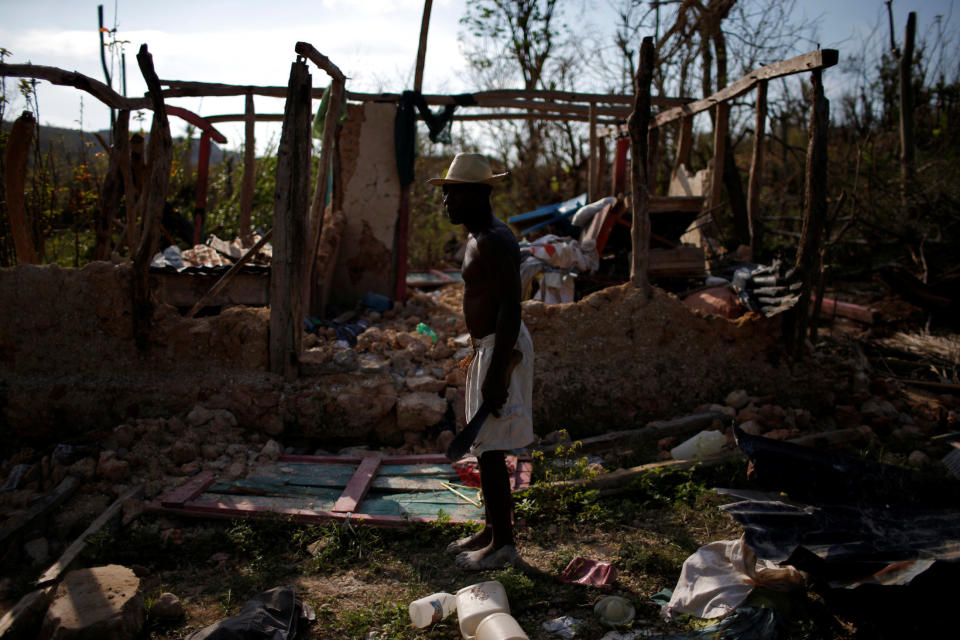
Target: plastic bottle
432, 608
705, 443
427, 331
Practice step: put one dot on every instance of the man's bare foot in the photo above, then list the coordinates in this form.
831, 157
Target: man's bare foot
477, 540
488, 558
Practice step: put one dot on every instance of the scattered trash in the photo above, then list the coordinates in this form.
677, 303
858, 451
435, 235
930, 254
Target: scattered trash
564, 626
589, 572
746, 623
719, 577
376, 302
614, 611
476, 602
628, 635
705, 443
423, 329
276, 613
500, 626
432, 608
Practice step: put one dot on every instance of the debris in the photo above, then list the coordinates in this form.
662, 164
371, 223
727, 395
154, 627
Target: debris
719, 577
45, 505
589, 572
500, 626
433, 608
101, 602
746, 623
276, 613
476, 602
702, 445
614, 611
564, 626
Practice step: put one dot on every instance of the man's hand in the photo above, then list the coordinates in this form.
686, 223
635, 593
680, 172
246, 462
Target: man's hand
494, 391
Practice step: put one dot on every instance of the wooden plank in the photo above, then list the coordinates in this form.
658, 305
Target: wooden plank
679, 261
427, 458
684, 144
188, 491
592, 187
40, 508
358, 486
70, 554
306, 516
17, 154
819, 59
720, 128
639, 131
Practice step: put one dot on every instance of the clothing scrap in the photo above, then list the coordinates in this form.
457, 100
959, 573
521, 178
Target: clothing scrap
514, 427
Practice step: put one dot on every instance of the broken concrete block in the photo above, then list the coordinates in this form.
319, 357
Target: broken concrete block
737, 399
270, 451
419, 410
426, 384
102, 602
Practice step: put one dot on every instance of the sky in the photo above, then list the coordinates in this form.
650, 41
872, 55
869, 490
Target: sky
374, 42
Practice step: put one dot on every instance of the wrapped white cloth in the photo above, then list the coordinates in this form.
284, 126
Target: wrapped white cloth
514, 427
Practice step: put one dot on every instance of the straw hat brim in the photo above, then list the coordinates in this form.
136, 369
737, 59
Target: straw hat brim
494, 178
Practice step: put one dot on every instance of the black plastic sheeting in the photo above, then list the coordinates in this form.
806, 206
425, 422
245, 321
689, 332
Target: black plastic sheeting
275, 614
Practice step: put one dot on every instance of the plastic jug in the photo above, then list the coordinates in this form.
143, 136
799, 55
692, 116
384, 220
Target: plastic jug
476, 602
500, 626
433, 608
705, 443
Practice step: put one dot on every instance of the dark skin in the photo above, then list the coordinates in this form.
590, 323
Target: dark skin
491, 305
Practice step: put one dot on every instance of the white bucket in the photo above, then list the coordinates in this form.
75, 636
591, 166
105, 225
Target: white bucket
705, 443
476, 602
500, 626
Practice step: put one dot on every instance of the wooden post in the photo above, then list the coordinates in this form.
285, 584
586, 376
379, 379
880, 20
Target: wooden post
603, 167
684, 144
720, 127
653, 158
638, 124
814, 219
620, 167
906, 118
592, 189
114, 185
159, 159
756, 170
203, 173
18, 150
290, 205
422, 49
249, 170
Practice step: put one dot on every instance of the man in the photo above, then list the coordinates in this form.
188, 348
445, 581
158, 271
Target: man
501, 372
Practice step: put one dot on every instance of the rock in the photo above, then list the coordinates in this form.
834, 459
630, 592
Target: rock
918, 459
730, 412
223, 420
368, 363
132, 508
667, 443
747, 413
270, 451
782, 434
752, 427
272, 424
211, 451
167, 606
109, 468
456, 378
444, 439
38, 550
125, 435
425, 383
237, 451
190, 468
846, 416
412, 438
102, 602
419, 410
737, 399
182, 452
199, 416
176, 426
236, 470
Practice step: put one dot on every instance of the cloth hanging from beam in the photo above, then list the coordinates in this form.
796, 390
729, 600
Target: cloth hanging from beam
405, 132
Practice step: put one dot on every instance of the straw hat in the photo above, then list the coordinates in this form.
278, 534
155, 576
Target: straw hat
469, 168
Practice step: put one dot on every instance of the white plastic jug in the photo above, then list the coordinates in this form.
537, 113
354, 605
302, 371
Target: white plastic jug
433, 608
476, 602
500, 626
705, 443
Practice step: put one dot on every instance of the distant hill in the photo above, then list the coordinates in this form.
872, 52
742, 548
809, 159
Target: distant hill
71, 142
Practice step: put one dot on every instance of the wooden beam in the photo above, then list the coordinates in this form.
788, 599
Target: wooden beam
53, 573
201, 123
562, 117
522, 94
422, 48
242, 117
819, 59
720, 127
307, 50
684, 144
248, 181
290, 207
756, 169
56, 76
17, 153
639, 130
358, 486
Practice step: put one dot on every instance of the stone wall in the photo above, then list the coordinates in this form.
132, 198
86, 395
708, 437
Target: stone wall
68, 364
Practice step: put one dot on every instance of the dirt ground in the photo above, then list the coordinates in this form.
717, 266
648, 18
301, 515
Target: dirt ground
359, 580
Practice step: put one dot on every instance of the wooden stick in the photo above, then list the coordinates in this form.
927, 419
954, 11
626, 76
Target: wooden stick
249, 170
70, 554
639, 128
720, 128
56, 76
306, 50
225, 278
756, 169
592, 189
422, 49
41, 507
18, 151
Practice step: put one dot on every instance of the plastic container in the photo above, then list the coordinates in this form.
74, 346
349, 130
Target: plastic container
433, 608
705, 443
476, 602
500, 626
423, 329
614, 611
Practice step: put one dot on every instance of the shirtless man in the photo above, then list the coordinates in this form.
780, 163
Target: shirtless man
491, 307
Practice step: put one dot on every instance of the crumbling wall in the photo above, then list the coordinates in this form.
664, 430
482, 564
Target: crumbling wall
371, 197
68, 363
